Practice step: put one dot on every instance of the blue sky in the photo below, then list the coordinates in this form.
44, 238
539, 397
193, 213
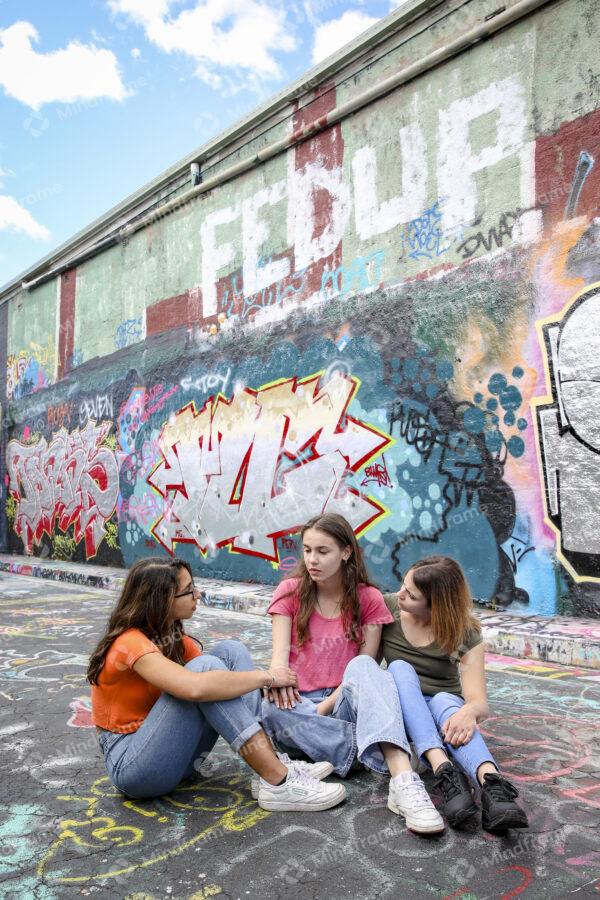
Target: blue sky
97, 97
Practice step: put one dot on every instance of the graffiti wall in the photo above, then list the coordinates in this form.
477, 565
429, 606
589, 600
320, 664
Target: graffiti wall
397, 319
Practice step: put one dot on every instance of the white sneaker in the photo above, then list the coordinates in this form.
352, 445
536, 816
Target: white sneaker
318, 771
411, 800
299, 793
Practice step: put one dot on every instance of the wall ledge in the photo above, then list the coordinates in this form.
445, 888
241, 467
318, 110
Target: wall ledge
552, 639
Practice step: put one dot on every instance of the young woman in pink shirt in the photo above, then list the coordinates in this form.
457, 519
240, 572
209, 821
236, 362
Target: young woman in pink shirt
327, 620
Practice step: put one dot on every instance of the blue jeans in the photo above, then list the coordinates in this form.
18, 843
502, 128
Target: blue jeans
424, 716
176, 733
366, 713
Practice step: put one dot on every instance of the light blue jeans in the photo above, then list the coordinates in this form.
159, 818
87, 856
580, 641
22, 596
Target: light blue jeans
366, 713
176, 734
424, 716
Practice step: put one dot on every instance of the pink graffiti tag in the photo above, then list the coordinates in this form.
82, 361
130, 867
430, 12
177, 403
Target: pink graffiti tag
71, 481
248, 470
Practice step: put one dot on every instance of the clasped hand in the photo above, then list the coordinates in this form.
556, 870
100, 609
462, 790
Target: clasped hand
284, 690
459, 728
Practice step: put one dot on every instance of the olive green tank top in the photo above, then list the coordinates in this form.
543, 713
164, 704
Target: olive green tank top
437, 669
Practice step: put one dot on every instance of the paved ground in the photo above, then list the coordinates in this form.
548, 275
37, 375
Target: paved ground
64, 832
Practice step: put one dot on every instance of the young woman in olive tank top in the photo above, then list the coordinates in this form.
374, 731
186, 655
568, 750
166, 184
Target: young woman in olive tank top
435, 653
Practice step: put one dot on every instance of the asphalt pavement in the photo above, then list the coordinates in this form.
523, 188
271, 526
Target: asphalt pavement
66, 832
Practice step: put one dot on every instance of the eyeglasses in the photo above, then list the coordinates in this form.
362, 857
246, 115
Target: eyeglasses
191, 590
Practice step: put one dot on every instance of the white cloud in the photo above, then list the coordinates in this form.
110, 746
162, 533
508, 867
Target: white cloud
15, 217
331, 36
77, 72
239, 35
136, 52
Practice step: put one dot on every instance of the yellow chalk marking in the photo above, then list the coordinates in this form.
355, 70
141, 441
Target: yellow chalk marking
124, 835
150, 813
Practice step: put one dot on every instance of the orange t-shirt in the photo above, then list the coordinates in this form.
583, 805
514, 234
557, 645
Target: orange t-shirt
122, 699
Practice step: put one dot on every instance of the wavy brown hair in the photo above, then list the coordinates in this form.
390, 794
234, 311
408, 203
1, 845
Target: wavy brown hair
442, 582
354, 573
145, 603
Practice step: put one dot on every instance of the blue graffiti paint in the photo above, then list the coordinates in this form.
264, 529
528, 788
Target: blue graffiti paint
516, 446
128, 332
497, 383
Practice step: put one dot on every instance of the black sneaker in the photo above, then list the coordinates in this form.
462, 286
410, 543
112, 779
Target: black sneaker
499, 812
457, 793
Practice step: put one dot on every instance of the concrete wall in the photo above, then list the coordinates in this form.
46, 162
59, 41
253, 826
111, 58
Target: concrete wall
398, 319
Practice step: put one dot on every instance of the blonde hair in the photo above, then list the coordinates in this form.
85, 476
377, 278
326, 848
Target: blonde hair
443, 584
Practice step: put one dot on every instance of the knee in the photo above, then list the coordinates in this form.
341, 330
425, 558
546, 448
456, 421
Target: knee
360, 665
205, 663
443, 705
232, 649
269, 710
402, 671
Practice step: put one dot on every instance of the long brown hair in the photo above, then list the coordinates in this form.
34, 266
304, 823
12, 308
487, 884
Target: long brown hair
442, 582
145, 603
354, 573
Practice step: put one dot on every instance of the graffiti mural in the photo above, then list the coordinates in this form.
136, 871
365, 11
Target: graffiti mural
454, 485
253, 468
73, 480
420, 457
29, 370
569, 432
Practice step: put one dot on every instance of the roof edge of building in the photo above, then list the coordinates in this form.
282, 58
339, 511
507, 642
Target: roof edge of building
302, 87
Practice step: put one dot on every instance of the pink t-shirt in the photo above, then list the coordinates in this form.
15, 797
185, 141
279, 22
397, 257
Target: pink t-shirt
321, 661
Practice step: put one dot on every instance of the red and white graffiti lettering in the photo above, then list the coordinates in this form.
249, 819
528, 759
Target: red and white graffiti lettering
253, 468
71, 481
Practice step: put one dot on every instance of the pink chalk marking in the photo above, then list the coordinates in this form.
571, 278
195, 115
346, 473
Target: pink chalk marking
581, 795
590, 859
513, 743
82, 713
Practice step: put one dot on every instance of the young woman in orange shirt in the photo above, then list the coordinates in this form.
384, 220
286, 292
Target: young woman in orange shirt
159, 703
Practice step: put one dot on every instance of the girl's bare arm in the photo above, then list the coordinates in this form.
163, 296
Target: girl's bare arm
172, 678
283, 698
461, 725
472, 676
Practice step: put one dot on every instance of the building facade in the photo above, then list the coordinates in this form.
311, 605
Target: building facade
378, 295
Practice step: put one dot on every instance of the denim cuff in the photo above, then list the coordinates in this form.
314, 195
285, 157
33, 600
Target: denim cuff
382, 767
245, 735
426, 745
343, 769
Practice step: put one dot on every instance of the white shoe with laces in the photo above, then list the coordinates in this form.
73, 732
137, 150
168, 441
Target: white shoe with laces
408, 797
299, 793
318, 771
